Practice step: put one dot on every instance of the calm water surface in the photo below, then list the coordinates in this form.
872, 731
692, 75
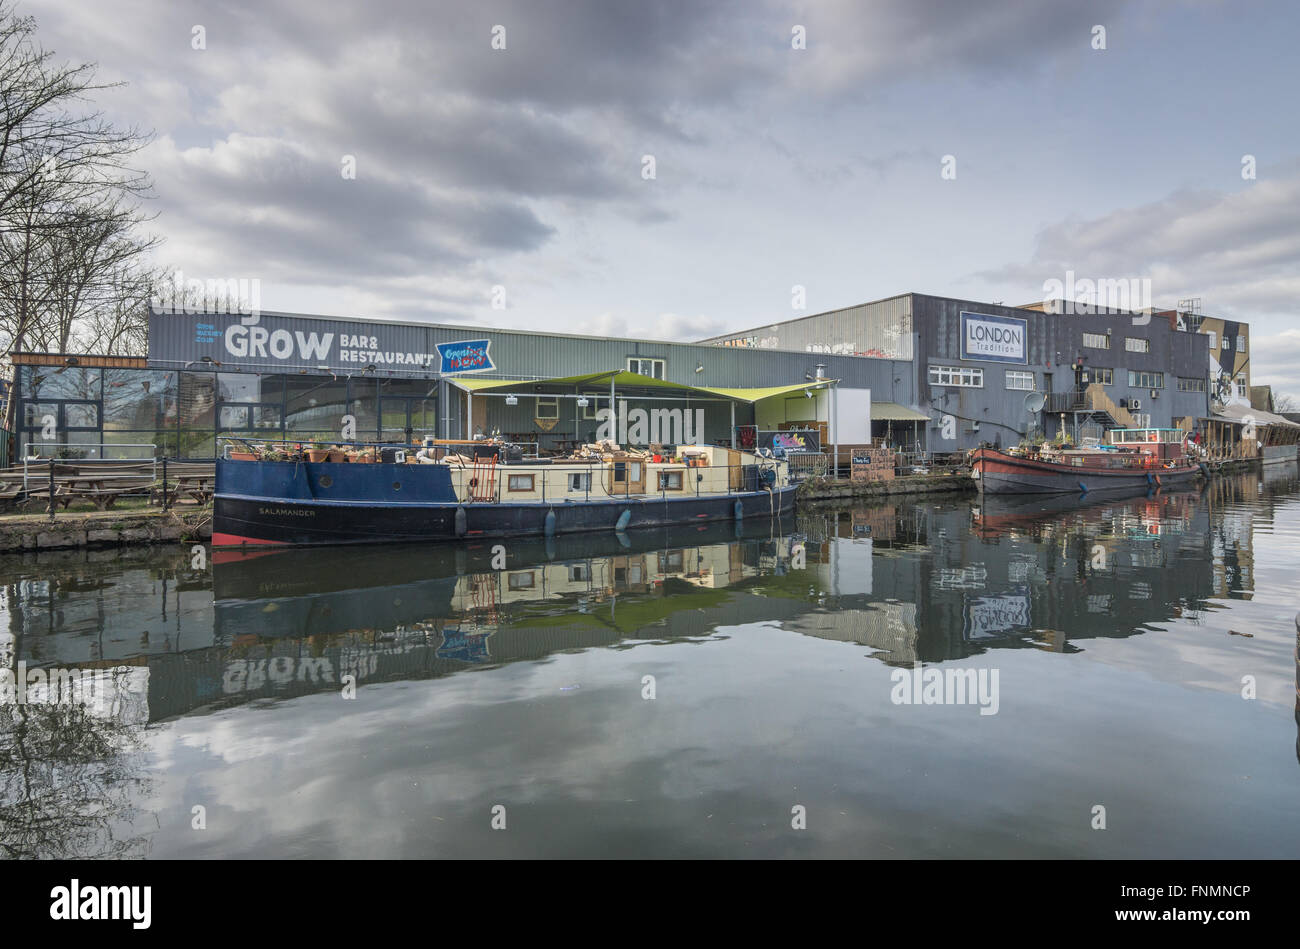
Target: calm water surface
681, 693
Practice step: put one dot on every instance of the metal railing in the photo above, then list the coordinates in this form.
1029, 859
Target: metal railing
28, 459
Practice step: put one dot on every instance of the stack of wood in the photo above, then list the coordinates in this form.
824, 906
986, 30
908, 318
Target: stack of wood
872, 464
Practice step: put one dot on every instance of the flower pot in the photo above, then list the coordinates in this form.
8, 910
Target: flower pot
318, 454
242, 456
337, 455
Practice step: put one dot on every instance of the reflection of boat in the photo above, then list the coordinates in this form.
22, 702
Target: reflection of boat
293, 622
441, 494
996, 513
289, 593
1135, 458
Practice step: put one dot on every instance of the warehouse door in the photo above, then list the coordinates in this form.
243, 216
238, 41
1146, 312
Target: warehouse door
407, 419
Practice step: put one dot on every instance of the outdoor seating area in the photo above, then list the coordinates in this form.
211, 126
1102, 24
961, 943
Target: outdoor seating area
27, 486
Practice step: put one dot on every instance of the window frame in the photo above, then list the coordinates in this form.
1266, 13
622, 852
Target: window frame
532, 483
1103, 337
1158, 377
655, 362
1110, 375
1144, 344
946, 374
1032, 379
666, 476
554, 401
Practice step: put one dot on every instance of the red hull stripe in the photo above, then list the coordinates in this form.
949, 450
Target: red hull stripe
237, 540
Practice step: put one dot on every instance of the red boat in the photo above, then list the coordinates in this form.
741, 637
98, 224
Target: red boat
1134, 458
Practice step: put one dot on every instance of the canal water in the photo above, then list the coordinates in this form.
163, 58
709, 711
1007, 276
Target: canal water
1097, 677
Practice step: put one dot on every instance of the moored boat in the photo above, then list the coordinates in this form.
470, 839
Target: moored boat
1133, 459
452, 491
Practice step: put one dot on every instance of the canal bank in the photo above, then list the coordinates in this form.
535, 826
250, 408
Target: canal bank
21, 532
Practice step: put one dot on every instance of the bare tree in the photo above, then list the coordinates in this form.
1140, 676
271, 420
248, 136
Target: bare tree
69, 202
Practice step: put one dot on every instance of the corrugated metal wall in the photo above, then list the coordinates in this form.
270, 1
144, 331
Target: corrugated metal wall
882, 329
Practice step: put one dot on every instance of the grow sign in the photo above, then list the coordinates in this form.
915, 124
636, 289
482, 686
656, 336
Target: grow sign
465, 356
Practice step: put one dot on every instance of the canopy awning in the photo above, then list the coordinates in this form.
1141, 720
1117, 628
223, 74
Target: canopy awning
632, 380
893, 412
1240, 414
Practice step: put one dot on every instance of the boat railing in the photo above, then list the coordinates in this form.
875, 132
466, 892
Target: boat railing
552, 478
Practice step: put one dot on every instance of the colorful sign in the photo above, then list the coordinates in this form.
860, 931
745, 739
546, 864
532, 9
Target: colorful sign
790, 441
465, 356
988, 338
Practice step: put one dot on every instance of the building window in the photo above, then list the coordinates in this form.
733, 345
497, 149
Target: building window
1190, 385
1023, 381
1241, 344
580, 482
670, 481
654, 368
520, 581
1096, 341
1105, 376
520, 482
547, 408
1242, 389
1214, 338
956, 376
1137, 344
1146, 380
591, 408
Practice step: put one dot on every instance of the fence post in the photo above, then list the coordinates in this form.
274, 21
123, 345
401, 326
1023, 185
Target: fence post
51, 487
166, 503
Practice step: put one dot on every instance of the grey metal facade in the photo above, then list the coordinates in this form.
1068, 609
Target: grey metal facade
993, 411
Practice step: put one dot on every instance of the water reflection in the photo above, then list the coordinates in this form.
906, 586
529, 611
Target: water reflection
940, 581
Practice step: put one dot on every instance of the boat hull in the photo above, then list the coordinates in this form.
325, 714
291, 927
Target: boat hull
999, 473
275, 507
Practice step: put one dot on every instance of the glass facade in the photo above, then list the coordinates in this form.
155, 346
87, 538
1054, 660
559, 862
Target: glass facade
75, 412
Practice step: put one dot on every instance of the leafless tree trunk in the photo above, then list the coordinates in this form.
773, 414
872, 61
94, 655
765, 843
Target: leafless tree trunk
70, 224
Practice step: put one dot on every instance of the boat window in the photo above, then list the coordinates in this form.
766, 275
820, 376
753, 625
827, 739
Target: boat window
580, 482
521, 482
520, 581
670, 480
620, 471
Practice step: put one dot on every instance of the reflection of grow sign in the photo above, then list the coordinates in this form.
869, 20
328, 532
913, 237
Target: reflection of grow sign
989, 338
466, 356
791, 441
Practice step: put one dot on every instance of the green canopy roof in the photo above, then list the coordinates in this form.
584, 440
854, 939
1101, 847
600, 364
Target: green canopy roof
631, 380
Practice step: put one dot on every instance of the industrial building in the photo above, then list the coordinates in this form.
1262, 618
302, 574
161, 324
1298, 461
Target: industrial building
915, 371
995, 374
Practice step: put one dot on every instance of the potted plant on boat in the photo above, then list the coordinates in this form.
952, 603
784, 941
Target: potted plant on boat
318, 453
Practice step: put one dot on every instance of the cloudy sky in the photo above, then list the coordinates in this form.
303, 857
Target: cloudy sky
525, 167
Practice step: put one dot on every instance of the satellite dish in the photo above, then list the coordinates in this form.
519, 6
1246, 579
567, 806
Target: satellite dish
1034, 402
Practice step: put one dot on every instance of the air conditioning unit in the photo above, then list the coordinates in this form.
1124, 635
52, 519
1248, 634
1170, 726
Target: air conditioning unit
1134, 404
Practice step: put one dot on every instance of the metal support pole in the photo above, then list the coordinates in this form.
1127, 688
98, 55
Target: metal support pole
166, 503
51, 487
834, 401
